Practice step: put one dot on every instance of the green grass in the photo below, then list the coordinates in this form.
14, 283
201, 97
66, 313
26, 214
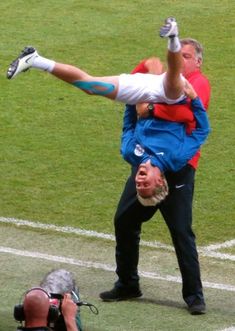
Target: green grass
59, 148
60, 159
161, 307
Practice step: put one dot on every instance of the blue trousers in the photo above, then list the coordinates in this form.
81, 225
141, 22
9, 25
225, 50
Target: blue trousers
176, 210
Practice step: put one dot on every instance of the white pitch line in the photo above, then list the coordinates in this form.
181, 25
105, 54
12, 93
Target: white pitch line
207, 251
105, 267
226, 244
217, 255
56, 258
231, 328
62, 229
69, 229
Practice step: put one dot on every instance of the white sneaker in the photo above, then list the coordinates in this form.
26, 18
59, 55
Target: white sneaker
23, 62
169, 29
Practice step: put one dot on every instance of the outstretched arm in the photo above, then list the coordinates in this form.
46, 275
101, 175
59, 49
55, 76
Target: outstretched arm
152, 65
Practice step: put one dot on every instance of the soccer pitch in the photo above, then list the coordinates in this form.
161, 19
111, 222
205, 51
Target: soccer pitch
60, 161
89, 255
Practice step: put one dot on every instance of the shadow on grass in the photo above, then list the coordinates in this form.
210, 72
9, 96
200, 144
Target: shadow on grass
166, 303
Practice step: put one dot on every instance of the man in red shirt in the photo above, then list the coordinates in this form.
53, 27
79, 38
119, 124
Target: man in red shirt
176, 209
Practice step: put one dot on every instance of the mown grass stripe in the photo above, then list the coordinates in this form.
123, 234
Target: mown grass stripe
106, 267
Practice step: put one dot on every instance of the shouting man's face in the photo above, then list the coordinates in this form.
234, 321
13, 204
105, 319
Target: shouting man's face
147, 179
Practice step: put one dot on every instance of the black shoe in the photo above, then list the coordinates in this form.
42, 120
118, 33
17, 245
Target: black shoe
198, 307
118, 294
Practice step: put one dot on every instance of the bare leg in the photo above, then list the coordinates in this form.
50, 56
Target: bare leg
105, 86
125, 89
173, 82
29, 58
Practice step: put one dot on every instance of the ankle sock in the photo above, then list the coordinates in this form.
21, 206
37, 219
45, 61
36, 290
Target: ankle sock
44, 64
174, 44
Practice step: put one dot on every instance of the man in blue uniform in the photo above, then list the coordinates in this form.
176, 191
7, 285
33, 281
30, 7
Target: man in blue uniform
158, 146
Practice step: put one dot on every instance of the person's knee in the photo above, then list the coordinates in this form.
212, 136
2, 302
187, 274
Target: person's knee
173, 85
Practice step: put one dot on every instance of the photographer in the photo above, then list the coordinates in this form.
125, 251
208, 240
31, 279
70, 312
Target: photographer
53, 306
37, 311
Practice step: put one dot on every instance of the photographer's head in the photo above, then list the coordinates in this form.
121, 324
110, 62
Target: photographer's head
36, 307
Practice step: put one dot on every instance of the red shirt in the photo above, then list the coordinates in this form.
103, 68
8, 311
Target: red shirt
183, 113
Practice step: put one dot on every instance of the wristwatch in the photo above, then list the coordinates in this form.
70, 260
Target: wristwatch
150, 108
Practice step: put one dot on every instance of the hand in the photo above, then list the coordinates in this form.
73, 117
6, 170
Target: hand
69, 311
154, 66
189, 90
142, 110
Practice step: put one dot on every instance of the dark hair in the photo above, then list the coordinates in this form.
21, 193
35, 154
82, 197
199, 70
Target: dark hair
196, 45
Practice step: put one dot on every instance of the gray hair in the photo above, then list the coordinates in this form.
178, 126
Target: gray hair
59, 281
196, 45
159, 195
